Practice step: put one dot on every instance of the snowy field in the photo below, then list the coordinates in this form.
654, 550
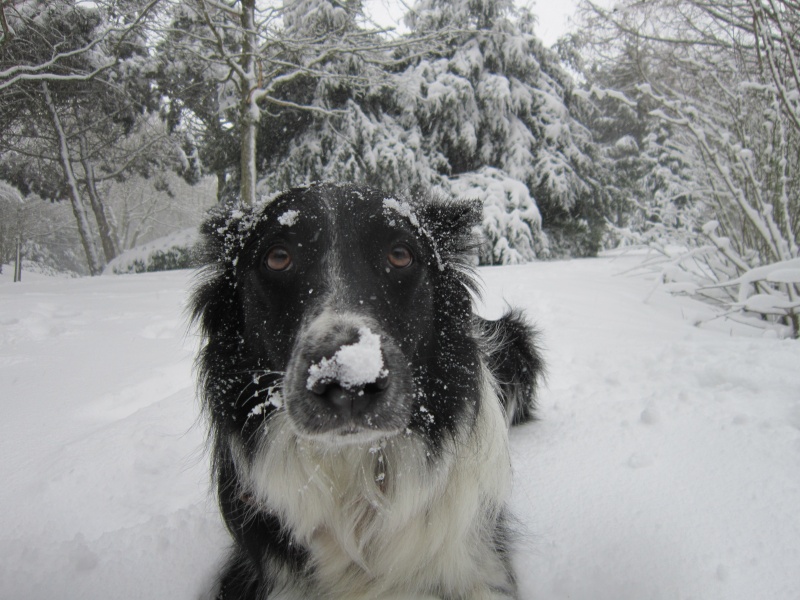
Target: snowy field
666, 463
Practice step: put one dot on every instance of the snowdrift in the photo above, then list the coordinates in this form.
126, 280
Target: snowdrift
666, 463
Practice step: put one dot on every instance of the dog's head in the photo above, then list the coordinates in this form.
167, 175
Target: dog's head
340, 305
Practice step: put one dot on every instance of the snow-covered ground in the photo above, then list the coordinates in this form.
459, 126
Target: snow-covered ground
666, 463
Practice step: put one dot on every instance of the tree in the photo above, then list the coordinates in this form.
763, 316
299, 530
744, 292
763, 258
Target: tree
721, 79
500, 100
11, 226
488, 114
69, 92
263, 61
36, 231
156, 206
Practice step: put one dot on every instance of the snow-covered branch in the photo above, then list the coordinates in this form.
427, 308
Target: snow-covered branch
43, 74
720, 86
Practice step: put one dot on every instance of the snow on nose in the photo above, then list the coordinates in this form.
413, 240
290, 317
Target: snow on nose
353, 366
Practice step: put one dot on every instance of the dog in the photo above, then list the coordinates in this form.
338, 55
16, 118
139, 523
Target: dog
358, 407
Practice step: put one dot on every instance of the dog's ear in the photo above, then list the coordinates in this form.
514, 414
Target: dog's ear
224, 232
452, 223
213, 303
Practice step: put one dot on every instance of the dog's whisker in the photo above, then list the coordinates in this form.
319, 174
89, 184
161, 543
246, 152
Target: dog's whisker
254, 372
273, 398
256, 381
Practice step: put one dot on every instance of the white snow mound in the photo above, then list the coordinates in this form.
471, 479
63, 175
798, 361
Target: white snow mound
289, 218
354, 365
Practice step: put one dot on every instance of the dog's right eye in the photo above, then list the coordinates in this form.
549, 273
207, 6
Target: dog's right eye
400, 256
278, 259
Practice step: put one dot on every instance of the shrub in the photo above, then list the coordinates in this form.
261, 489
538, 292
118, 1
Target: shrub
175, 251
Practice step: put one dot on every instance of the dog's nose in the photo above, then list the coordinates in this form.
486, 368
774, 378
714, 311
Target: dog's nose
349, 401
348, 372
321, 387
347, 375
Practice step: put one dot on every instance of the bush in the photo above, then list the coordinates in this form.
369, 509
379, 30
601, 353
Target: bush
175, 251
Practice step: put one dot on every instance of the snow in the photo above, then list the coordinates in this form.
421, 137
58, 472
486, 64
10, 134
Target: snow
665, 463
401, 208
784, 276
769, 304
289, 218
140, 257
353, 365
104, 491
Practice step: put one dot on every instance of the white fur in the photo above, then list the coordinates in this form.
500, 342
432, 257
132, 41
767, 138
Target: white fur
384, 521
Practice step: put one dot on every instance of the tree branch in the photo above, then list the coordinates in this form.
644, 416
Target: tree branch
8, 33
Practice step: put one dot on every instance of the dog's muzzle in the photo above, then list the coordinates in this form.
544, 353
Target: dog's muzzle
347, 379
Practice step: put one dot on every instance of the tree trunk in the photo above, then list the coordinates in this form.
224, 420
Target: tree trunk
249, 111
105, 222
248, 158
221, 179
78, 207
18, 262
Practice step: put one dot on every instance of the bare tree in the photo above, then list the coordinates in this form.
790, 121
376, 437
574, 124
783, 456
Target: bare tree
34, 230
722, 78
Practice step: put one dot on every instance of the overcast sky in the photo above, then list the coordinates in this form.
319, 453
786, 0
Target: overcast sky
552, 14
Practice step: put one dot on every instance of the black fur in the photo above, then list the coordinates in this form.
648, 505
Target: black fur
259, 344
516, 362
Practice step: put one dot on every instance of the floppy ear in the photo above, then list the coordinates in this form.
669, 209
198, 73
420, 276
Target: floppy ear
214, 303
224, 233
452, 224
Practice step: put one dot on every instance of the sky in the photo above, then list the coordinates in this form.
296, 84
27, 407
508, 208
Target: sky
553, 15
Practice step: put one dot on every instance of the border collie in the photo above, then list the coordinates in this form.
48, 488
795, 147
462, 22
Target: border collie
358, 408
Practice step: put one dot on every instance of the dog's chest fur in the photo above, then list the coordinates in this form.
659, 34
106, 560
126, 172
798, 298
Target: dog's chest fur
386, 521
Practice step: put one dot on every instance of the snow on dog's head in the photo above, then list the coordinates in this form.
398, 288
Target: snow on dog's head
337, 296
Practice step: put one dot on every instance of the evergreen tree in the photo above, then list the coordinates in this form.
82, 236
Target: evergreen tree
486, 115
500, 105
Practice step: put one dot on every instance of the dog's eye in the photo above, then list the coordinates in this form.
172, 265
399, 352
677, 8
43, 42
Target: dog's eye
400, 256
278, 259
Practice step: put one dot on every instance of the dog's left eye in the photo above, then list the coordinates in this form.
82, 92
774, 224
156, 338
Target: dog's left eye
400, 256
278, 259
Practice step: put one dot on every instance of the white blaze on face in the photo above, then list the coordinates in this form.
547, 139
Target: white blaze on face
353, 366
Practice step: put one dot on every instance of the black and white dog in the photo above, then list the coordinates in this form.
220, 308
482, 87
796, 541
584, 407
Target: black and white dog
359, 409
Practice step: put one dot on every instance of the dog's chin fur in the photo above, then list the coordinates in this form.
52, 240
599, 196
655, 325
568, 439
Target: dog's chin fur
384, 517
337, 439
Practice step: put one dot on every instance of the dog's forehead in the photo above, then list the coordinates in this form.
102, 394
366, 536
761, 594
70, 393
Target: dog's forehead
342, 207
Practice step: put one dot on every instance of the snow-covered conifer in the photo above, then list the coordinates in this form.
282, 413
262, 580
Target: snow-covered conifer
487, 110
